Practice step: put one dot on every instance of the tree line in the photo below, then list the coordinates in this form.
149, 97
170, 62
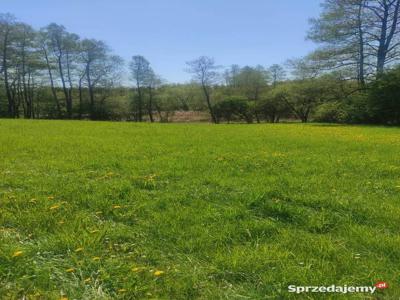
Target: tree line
352, 77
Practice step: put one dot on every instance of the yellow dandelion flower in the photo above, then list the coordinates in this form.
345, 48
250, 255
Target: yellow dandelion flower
70, 270
87, 280
116, 206
80, 249
158, 273
278, 154
54, 207
122, 291
96, 258
138, 269
17, 253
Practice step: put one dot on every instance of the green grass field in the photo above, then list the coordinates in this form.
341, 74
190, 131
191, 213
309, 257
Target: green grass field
92, 210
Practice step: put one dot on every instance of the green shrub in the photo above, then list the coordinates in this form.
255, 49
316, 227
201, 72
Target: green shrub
272, 108
330, 112
384, 98
233, 109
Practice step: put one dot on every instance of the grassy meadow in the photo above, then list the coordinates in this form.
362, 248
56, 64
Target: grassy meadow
101, 210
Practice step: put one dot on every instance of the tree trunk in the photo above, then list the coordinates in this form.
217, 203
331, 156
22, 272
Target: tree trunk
158, 109
140, 113
69, 92
91, 92
18, 97
53, 90
60, 68
150, 106
11, 104
381, 54
27, 112
361, 75
80, 98
386, 38
31, 86
208, 100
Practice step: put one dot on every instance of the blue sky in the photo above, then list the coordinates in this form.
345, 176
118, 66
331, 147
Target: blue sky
170, 32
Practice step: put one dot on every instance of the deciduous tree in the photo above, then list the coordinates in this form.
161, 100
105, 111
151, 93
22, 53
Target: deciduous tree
204, 72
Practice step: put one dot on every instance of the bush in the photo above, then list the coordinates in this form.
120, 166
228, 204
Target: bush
233, 109
330, 112
384, 98
272, 108
357, 109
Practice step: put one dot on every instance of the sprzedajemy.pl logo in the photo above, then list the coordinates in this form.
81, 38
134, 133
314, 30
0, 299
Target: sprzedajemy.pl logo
342, 289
